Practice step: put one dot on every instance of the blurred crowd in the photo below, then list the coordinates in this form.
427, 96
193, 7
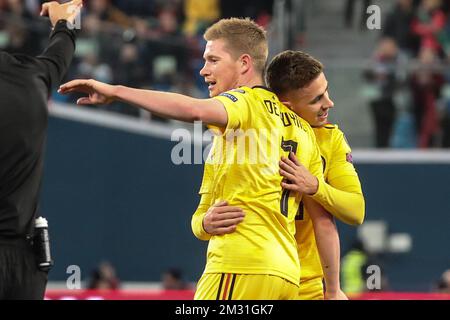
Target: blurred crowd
155, 44
104, 277
443, 284
354, 275
409, 76
158, 44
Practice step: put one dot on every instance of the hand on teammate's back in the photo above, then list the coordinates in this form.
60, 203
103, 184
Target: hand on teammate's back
222, 219
298, 178
56, 11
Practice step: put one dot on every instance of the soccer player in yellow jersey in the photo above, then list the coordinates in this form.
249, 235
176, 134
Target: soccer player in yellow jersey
259, 260
299, 81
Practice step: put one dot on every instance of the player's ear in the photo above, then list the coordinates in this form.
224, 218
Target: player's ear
245, 63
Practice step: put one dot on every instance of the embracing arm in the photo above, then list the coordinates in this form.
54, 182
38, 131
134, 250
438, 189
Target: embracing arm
342, 197
342, 194
218, 219
198, 216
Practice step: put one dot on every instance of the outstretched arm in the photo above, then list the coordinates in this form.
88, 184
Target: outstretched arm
165, 104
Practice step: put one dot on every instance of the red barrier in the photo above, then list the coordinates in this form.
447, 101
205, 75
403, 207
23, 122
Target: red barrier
401, 296
154, 294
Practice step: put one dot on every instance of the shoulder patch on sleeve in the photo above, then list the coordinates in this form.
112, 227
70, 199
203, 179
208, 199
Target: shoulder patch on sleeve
349, 157
229, 96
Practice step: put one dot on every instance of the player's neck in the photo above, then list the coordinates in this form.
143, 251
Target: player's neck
251, 81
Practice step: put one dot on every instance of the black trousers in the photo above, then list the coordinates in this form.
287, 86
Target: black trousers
20, 278
446, 132
384, 114
349, 13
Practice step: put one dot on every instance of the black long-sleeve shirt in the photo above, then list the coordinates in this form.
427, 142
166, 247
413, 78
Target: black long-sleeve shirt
25, 85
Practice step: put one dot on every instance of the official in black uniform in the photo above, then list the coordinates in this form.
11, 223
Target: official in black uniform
25, 86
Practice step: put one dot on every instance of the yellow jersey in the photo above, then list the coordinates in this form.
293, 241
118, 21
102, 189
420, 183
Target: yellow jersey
346, 196
243, 169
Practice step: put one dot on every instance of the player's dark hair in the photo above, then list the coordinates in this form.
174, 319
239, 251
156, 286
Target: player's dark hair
292, 70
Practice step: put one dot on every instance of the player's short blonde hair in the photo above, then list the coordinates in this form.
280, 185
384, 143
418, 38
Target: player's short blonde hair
292, 70
242, 36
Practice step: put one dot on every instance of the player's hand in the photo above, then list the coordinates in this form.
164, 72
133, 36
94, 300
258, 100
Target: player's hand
67, 11
98, 92
297, 177
336, 295
222, 219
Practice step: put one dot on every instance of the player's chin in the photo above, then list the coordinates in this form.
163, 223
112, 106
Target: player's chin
321, 121
213, 93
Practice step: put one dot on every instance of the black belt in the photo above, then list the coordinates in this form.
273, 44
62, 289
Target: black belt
15, 240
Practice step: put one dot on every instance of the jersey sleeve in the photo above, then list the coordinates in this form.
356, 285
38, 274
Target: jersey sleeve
207, 180
237, 105
316, 165
341, 163
197, 218
342, 194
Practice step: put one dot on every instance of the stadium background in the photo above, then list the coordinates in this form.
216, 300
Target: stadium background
111, 192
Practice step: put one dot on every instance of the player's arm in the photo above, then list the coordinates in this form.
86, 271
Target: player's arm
218, 219
198, 216
165, 104
327, 240
342, 198
326, 233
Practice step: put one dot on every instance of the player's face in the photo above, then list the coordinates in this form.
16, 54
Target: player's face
221, 70
312, 102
